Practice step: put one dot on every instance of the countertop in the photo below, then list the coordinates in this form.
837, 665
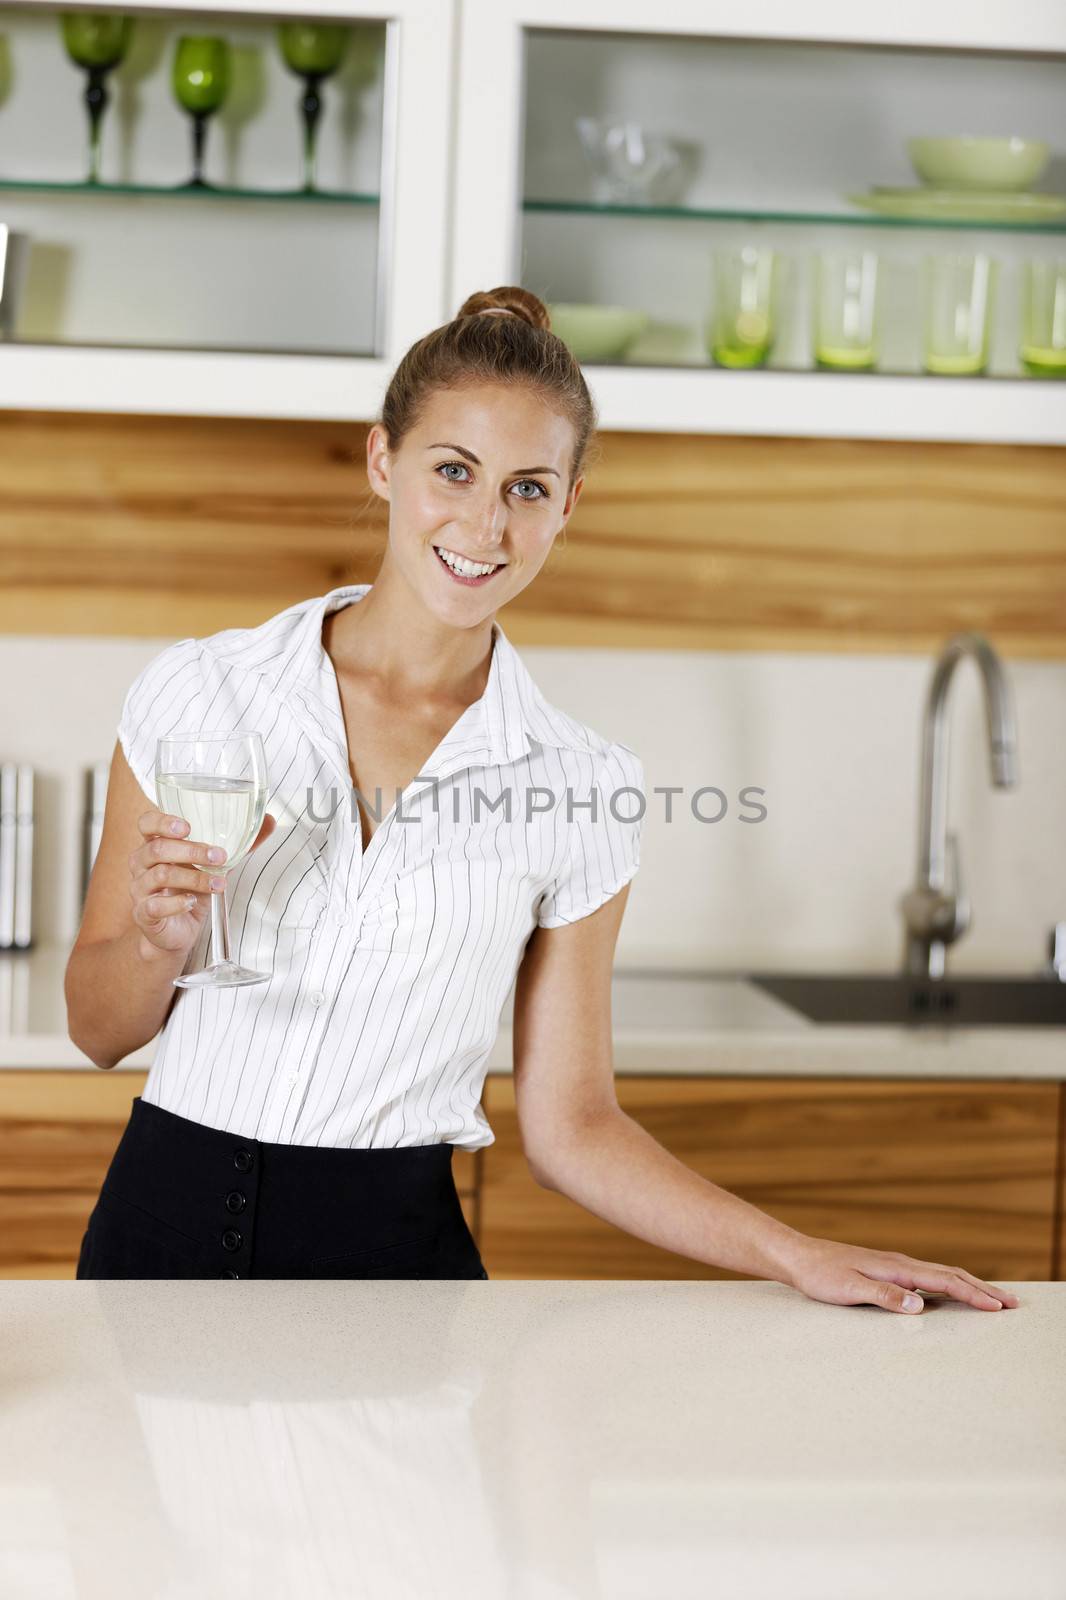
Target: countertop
526, 1441
714, 1024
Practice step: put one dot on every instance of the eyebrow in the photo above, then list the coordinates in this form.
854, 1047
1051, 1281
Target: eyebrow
470, 456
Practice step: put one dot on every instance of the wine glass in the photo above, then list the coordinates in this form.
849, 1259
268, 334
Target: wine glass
312, 50
97, 41
217, 782
200, 79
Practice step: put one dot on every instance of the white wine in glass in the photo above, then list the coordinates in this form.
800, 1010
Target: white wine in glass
217, 782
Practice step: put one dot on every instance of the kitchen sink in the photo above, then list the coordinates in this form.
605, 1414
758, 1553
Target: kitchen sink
964, 1002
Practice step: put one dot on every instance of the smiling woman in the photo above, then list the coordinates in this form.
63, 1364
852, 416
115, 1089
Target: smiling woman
391, 947
306, 1128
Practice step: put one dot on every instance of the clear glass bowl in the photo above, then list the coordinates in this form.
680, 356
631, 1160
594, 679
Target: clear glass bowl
629, 165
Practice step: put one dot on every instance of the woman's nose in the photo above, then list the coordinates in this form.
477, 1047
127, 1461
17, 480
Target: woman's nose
486, 525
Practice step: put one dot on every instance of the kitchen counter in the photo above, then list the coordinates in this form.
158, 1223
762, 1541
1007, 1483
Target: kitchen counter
716, 1025
541, 1441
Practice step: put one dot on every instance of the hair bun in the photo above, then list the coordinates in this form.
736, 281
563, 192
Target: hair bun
522, 303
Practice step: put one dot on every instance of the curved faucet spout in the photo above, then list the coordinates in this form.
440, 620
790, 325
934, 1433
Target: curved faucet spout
935, 911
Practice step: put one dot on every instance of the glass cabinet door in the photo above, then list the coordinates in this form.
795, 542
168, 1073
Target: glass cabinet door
753, 204
118, 237
701, 206
237, 212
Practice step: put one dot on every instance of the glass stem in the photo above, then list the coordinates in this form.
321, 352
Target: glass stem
219, 929
199, 129
311, 106
96, 101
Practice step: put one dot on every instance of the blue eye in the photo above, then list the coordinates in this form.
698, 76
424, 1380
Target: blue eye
541, 494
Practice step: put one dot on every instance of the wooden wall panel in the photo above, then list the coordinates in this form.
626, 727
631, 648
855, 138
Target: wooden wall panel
181, 526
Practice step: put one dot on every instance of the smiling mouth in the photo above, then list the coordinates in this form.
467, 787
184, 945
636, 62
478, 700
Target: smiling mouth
465, 571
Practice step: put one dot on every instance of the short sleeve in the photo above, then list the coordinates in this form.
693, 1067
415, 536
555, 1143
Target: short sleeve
603, 854
164, 698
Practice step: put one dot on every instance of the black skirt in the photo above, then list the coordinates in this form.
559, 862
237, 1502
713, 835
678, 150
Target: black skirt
181, 1200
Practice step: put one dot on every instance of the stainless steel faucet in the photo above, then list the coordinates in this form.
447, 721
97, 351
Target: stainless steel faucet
935, 912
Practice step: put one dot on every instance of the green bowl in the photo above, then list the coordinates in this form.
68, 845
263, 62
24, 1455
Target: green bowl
968, 162
597, 333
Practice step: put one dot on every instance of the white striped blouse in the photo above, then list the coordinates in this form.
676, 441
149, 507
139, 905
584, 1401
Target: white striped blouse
390, 966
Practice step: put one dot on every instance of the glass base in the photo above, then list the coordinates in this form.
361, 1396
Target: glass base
844, 358
224, 975
954, 366
740, 355
1046, 362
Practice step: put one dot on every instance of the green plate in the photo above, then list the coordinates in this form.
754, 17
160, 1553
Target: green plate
963, 205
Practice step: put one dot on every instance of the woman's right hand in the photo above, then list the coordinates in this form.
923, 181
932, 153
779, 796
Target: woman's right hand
168, 890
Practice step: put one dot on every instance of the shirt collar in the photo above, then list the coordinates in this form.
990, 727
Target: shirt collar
495, 730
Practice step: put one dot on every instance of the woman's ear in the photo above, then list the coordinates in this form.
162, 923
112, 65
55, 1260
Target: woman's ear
572, 498
377, 461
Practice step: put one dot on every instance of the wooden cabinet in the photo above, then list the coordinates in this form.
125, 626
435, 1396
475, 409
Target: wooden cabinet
58, 1132
951, 1171
963, 1172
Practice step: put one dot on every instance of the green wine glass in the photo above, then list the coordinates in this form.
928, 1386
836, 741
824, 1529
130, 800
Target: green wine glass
312, 50
97, 41
200, 79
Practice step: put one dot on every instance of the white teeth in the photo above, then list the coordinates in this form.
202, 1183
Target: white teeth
466, 569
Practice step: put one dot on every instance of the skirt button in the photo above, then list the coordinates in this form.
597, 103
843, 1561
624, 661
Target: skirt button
231, 1239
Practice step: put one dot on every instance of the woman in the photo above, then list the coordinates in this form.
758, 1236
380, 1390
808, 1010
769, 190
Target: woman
304, 1127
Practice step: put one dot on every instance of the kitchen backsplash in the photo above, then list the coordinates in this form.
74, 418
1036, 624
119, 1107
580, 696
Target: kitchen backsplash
831, 741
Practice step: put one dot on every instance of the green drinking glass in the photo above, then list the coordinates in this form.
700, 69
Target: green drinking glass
1043, 342
200, 79
846, 310
960, 292
96, 41
312, 50
741, 328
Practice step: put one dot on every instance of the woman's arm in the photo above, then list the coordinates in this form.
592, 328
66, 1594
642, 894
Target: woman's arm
579, 1141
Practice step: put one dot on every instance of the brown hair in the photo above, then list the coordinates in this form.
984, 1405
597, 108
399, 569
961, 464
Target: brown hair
481, 345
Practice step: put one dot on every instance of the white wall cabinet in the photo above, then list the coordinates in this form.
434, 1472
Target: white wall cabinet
251, 299
469, 134
782, 111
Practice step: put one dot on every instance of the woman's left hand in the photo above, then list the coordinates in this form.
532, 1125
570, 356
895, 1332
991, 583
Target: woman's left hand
849, 1275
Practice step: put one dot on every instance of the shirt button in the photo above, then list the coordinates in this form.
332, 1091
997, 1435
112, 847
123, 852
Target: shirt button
340, 918
316, 997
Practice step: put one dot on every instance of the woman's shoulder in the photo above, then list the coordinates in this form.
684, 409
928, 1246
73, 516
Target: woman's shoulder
579, 744
196, 678
261, 645
255, 647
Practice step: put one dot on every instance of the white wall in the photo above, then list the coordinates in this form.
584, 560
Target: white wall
833, 740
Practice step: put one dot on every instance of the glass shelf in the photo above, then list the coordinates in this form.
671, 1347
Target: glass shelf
863, 219
186, 191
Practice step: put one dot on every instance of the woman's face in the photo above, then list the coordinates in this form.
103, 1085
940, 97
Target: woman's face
483, 479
